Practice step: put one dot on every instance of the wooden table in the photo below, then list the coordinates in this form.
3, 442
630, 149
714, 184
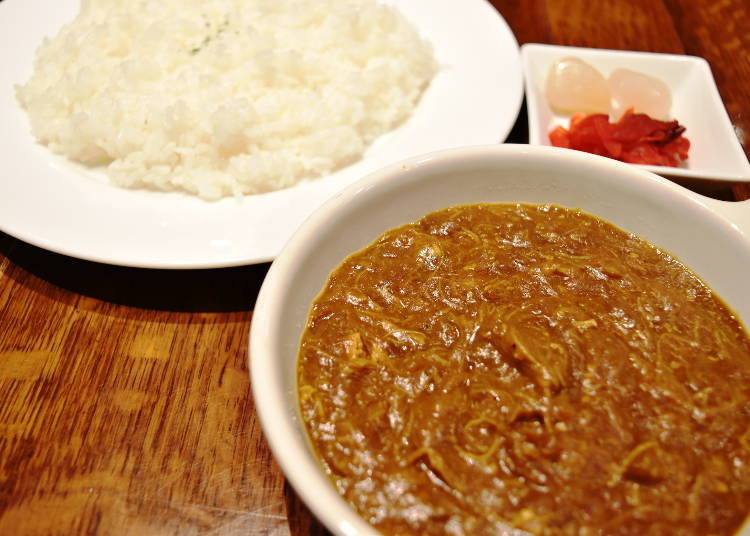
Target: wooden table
125, 404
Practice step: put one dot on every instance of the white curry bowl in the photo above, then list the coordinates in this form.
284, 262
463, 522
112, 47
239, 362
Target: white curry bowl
711, 237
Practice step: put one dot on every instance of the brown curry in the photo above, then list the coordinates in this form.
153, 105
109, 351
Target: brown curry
528, 366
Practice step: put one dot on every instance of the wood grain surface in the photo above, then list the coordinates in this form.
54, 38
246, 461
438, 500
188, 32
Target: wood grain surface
125, 404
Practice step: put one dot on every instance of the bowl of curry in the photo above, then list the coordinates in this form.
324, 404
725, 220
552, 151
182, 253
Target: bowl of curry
512, 340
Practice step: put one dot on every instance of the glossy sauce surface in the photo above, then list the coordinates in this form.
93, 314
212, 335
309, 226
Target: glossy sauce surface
534, 367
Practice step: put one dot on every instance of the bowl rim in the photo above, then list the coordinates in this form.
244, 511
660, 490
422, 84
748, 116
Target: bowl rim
268, 393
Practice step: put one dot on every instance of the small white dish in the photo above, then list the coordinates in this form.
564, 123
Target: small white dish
715, 152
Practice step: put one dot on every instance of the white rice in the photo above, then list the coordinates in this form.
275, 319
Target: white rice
224, 97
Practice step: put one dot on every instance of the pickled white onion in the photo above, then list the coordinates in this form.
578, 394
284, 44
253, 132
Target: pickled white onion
644, 93
575, 86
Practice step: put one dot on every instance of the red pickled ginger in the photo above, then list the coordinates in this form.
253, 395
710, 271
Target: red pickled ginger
635, 138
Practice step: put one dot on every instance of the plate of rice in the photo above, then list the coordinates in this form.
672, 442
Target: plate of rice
195, 134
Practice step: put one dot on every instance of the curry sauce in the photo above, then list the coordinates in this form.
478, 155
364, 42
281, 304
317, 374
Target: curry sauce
512, 369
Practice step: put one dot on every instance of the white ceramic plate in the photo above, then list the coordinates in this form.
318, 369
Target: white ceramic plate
715, 152
66, 208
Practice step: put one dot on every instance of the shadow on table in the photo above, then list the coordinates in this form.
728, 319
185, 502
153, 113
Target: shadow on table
207, 290
302, 521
